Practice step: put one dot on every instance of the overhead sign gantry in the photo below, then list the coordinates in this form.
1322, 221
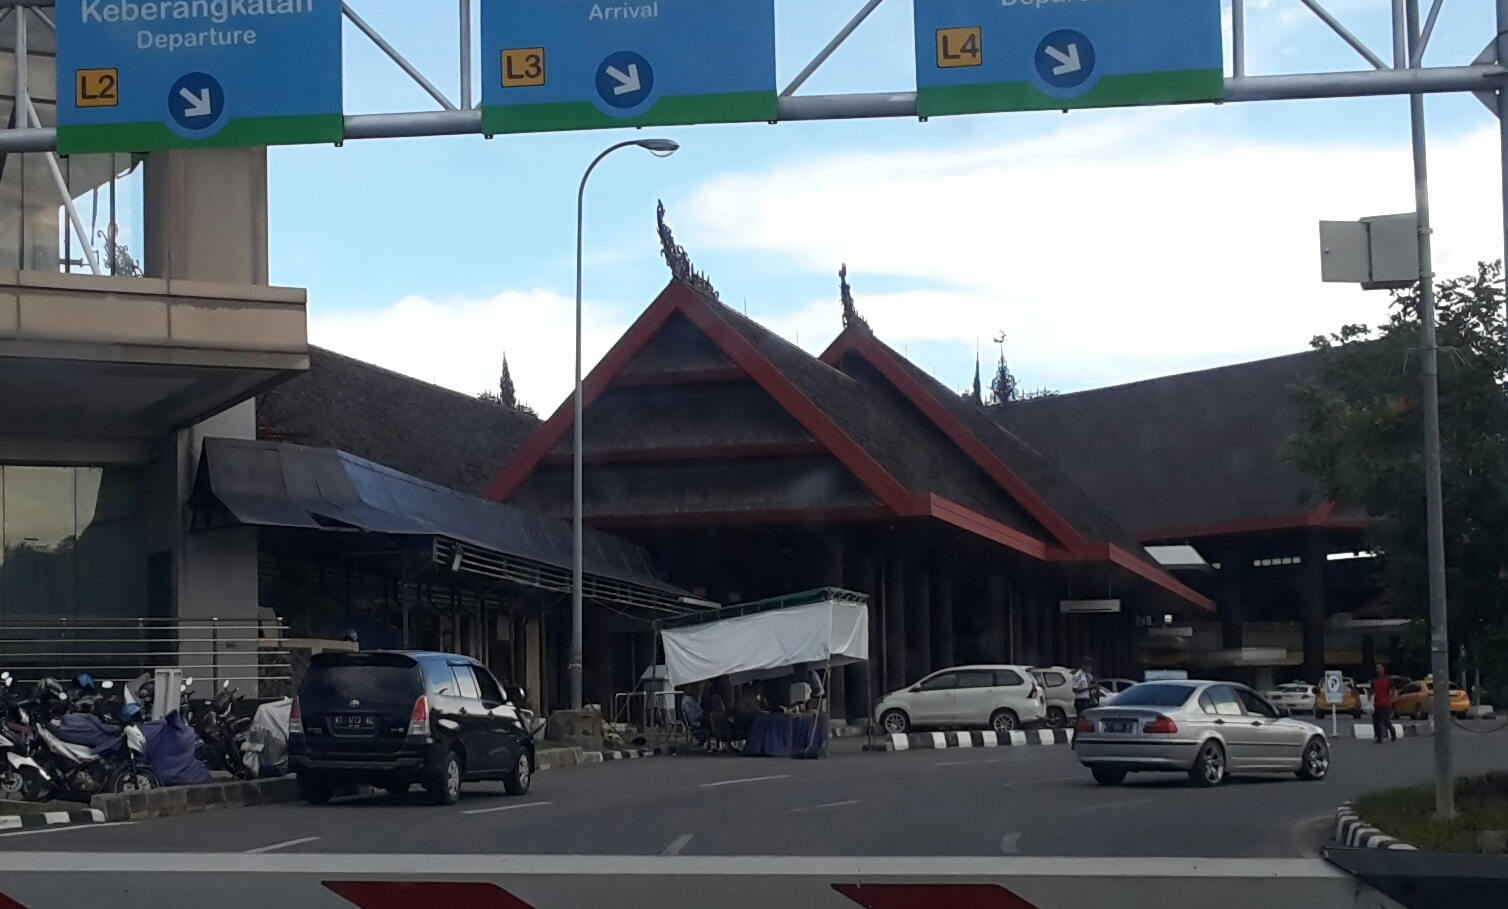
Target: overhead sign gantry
548, 65
143, 75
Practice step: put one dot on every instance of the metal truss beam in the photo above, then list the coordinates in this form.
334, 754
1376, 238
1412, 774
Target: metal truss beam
878, 105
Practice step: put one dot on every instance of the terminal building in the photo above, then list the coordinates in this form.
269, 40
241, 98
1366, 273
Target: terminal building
184, 479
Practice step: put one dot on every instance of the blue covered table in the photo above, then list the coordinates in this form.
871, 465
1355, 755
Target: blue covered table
787, 735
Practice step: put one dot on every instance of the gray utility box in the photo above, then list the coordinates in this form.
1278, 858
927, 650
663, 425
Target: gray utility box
1380, 253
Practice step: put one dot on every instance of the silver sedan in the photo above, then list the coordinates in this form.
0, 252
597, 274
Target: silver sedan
1208, 730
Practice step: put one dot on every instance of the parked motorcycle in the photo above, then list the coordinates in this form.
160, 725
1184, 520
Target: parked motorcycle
15, 740
221, 733
80, 755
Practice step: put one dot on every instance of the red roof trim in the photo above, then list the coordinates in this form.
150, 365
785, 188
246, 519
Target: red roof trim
951, 512
678, 297
1118, 556
774, 516
1319, 517
860, 342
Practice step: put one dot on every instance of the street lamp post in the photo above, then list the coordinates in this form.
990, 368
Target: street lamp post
662, 148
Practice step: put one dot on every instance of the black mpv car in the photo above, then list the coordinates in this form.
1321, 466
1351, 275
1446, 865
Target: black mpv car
393, 719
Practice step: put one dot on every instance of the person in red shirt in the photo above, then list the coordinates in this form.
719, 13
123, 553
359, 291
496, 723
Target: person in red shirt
1382, 707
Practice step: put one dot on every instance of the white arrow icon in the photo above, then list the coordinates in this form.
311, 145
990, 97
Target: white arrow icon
199, 105
628, 82
1068, 61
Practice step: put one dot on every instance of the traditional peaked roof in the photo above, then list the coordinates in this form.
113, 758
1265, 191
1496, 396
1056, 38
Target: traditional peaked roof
1216, 435
456, 440
917, 448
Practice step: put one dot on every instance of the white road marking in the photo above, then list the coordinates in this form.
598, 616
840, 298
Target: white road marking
1115, 805
677, 844
1008, 844
956, 763
752, 779
506, 808
65, 829
827, 805
283, 845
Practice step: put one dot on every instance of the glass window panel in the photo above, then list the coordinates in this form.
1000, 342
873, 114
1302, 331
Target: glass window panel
111, 562
38, 529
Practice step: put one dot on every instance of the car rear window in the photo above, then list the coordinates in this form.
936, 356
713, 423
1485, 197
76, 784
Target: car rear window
1154, 695
374, 678
1008, 678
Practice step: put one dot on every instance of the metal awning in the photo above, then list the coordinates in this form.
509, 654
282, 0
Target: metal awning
277, 484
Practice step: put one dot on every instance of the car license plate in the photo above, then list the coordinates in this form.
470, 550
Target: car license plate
1119, 727
353, 724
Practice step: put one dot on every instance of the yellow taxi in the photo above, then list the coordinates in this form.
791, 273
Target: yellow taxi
1350, 701
1416, 699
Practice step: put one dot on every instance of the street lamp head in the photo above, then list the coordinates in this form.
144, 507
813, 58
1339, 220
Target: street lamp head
662, 147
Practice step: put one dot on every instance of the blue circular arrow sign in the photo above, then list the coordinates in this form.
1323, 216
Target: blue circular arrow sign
1065, 59
196, 102
624, 80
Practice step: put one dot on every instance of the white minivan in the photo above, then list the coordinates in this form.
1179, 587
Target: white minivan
997, 697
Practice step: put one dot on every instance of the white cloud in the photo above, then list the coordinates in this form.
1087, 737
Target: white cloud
460, 343
1112, 250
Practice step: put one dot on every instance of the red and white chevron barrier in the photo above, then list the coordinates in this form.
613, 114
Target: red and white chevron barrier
317, 881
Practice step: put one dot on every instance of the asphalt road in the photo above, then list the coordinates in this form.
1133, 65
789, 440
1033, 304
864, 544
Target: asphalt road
1024, 800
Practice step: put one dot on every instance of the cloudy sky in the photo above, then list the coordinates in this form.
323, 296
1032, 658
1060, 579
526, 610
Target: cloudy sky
1109, 246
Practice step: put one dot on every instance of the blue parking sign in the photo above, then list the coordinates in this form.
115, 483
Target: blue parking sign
141, 75
573, 64
974, 56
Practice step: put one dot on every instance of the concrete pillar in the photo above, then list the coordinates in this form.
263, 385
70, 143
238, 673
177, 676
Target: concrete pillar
1312, 598
832, 576
894, 630
1046, 628
1234, 565
205, 216
862, 681
1368, 656
1027, 613
918, 623
533, 676
942, 619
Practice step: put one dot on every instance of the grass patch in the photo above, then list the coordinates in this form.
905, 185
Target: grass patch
1407, 813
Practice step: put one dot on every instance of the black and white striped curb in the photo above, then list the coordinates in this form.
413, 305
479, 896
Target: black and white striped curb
630, 753
923, 740
51, 819
1423, 729
1351, 830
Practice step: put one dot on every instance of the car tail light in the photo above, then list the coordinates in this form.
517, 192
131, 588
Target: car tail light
1085, 724
418, 721
295, 720
1162, 726
1033, 695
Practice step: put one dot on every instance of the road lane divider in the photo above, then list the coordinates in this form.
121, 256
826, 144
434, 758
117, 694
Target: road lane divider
751, 779
915, 741
65, 880
496, 808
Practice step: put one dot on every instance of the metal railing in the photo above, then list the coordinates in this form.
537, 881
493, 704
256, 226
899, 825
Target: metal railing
246, 652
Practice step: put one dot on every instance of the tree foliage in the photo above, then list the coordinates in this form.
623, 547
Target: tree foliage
1361, 439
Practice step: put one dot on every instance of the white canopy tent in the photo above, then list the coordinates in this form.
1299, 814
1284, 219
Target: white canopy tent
833, 632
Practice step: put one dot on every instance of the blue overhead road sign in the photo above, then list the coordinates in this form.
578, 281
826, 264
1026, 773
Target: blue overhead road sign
974, 56
573, 64
139, 75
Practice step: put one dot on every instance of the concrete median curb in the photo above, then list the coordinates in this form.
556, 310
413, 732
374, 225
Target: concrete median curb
43, 819
175, 800
1351, 830
928, 740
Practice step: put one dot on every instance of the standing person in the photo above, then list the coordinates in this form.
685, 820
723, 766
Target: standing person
1382, 707
1085, 688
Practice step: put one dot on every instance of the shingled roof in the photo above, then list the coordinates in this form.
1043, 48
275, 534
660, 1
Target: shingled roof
446, 437
1214, 435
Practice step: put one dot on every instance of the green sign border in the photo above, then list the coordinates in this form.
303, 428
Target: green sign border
1173, 87
123, 138
672, 110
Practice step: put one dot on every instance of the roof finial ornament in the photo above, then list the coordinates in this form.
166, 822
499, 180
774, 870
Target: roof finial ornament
850, 314
679, 262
